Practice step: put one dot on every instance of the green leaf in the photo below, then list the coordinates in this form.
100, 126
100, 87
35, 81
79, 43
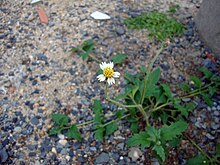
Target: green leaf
206, 72
139, 139
160, 152
218, 149
190, 106
207, 99
183, 110
154, 134
134, 127
197, 160
120, 113
111, 128
84, 55
97, 108
60, 119
73, 133
164, 117
212, 90
152, 81
185, 87
197, 81
119, 58
167, 90
99, 133
175, 129
76, 49
134, 90
55, 131
143, 69
174, 142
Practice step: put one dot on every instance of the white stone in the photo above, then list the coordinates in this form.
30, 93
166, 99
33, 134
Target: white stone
63, 142
100, 16
54, 150
60, 136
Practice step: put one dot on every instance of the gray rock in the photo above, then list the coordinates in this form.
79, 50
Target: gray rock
120, 31
102, 158
208, 24
35, 121
17, 129
3, 155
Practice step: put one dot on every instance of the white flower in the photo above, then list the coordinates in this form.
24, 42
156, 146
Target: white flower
108, 73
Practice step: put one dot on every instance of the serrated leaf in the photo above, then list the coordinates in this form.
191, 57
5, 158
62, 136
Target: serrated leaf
60, 119
55, 131
152, 81
199, 159
111, 128
183, 110
185, 87
197, 81
167, 90
120, 113
164, 117
190, 106
73, 133
139, 139
88, 45
119, 58
206, 72
175, 129
99, 133
212, 90
160, 152
174, 142
84, 55
97, 108
207, 100
153, 133
134, 127
143, 69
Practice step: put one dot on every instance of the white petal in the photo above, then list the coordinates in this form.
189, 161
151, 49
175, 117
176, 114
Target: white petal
116, 74
101, 77
111, 65
102, 65
111, 81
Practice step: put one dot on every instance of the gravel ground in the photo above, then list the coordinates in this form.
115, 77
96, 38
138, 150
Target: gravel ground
39, 77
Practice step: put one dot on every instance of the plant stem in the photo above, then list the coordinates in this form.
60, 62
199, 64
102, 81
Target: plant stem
157, 108
148, 73
112, 121
140, 108
199, 148
196, 92
118, 103
94, 58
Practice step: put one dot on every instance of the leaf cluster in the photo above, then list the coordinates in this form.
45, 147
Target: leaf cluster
84, 49
160, 25
61, 124
158, 138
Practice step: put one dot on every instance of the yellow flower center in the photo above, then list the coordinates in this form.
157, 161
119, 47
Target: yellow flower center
108, 72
